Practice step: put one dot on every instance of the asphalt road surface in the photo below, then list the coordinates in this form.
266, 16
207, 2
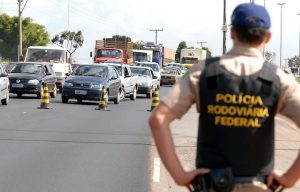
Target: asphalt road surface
73, 147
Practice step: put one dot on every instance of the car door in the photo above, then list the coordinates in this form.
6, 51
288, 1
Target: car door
113, 82
52, 77
128, 80
154, 80
47, 77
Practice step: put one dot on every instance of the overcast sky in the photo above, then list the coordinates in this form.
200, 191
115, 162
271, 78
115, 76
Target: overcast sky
190, 20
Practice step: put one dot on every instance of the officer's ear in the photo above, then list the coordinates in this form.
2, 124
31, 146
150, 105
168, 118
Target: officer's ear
268, 37
233, 33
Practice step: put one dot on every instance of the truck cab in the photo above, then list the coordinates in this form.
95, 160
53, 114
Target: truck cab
57, 57
113, 50
109, 55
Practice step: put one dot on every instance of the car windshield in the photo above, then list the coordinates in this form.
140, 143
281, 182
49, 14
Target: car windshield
110, 53
27, 68
171, 71
99, 71
141, 72
45, 55
138, 56
176, 65
153, 66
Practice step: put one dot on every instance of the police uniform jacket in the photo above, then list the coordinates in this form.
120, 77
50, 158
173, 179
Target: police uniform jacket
240, 61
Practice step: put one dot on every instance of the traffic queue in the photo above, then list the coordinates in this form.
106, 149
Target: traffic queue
87, 81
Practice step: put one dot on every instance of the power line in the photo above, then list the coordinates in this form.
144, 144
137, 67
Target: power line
156, 30
77, 12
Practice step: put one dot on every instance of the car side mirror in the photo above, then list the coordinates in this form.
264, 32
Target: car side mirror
113, 78
67, 74
127, 75
91, 54
155, 77
48, 73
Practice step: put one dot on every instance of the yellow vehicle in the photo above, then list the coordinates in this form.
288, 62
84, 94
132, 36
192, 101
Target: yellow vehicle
189, 57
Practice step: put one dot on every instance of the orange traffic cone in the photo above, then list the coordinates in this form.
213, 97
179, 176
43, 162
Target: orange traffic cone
45, 98
103, 100
155, 100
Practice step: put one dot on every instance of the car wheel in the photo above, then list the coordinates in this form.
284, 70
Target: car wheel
133, 95
19, 94
117, 99
149, 95
54, 93
64, 99
6, 100
122, 94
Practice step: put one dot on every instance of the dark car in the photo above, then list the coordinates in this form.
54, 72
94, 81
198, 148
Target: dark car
28, 78
87, 81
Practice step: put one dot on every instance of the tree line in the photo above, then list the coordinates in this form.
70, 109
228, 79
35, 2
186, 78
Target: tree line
33, 34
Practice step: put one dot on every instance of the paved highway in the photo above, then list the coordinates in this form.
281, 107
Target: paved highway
73, 147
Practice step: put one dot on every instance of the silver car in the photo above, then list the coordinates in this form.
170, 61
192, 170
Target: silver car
4, 86
147, 81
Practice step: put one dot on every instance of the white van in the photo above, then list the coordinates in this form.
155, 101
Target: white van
56, 56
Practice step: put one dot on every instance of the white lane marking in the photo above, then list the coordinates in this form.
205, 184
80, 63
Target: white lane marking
156, 170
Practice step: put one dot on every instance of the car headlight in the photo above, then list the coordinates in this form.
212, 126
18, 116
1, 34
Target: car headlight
95, 86
33, 82
67, 84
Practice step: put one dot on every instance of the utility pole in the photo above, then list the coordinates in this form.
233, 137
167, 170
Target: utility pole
68, 15
201, 42
20, 58
224, 28
281, 4
299, 44
20, 55
156, 30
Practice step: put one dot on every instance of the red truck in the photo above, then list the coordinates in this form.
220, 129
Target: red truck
113, 50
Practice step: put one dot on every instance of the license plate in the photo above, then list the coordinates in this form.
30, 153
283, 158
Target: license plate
80, 92
17, 85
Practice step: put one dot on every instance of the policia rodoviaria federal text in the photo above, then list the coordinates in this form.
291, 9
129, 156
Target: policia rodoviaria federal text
237, 96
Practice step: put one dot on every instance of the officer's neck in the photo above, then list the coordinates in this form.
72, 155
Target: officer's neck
260, 46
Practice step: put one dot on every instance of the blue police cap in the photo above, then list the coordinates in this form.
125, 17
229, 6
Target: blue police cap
251, 16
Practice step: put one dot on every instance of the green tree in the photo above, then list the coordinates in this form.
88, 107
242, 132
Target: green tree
294, 62
71, 40
121, 37
33, 34
137, 44
182, 45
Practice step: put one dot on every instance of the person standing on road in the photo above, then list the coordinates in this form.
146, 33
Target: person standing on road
237, 96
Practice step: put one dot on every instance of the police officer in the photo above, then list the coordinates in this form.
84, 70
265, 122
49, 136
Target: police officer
237, 96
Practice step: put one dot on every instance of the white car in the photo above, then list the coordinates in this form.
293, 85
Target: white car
179, 65
153, 66
129, 81
147, 81
4, 86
